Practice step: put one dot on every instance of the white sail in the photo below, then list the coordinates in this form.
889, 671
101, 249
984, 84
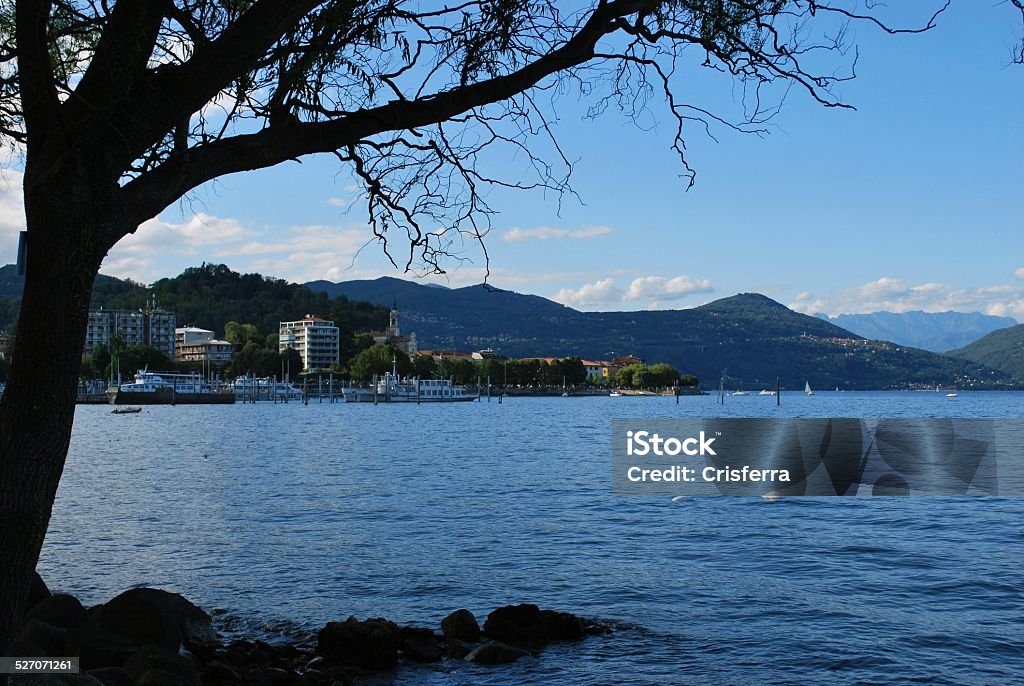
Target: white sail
807, 388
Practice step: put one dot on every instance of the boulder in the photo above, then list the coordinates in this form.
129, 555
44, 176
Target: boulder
23, 648
47, 637
149, 658
495, 653
282, 677
461, 625
521, 624
159, 677
61, 610
220, 672
419, 645
156, 617
55, 680
457, 649
372, 643
562, 626
112, 676
97, 647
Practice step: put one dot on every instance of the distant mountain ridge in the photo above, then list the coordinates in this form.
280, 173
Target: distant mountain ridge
749, 338
934, 331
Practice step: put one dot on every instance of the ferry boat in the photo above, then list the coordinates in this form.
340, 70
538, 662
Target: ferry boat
248, 388
169, 388
391, 389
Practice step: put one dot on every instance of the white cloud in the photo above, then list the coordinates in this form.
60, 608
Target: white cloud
645, 291
337, 202
543, 233
603, 292
1019, 274
660, 288
895, 295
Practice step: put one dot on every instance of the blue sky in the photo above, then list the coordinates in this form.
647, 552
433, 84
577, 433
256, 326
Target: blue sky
910, 202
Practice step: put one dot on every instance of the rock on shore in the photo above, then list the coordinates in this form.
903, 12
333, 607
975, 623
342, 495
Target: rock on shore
152, 637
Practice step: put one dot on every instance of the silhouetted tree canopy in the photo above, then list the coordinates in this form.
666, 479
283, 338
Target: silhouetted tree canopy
118, 109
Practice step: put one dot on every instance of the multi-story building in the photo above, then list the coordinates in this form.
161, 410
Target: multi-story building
317, 340
393, 335
151, 326
192, 344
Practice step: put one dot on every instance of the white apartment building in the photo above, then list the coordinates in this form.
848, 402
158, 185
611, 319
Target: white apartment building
317, 340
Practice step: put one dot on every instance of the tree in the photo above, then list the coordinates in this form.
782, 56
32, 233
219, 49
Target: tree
424, 367
240, 334
122, 108
378, 359
101, 360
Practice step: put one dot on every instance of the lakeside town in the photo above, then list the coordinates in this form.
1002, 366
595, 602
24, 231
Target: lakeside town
143, 356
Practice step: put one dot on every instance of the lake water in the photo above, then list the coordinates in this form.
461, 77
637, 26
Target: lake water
288, 516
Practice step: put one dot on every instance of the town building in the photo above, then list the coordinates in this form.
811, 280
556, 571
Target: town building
597, 372
192, 344
5, 346
393, 335
150, 326
317, 341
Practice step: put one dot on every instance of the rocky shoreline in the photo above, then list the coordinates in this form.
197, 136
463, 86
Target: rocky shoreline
152, 637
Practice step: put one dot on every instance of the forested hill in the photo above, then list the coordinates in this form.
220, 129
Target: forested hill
748, 337
1002, 350
211, 295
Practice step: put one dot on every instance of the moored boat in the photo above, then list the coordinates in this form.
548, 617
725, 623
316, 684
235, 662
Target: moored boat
169, 388
392, 389
247, 388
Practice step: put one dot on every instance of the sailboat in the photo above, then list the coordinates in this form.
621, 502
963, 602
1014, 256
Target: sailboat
807, 388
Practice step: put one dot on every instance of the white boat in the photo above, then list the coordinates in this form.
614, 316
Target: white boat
807, 388
766, 392
951, 395
741, 392
264, 388
392, 389
168, 388
614, 394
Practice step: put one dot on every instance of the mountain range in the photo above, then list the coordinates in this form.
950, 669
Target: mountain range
935, 331
747, 338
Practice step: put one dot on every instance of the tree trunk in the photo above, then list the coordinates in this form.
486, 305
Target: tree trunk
37, 409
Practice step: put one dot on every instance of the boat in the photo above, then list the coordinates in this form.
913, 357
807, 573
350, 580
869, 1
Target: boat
766, 392
169, 388
951, 395
741, 392
807, 388
126, 409
392, 389
614, 394
247, 388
